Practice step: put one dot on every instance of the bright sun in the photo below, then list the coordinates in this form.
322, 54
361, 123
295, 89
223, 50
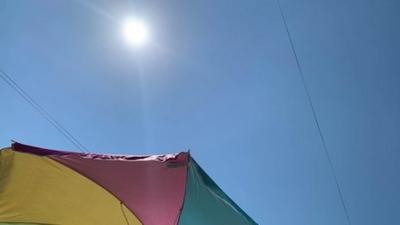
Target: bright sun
135, 32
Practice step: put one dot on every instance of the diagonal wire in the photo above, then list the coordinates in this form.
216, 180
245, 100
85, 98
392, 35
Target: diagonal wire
306, 89
45, 114
123, 213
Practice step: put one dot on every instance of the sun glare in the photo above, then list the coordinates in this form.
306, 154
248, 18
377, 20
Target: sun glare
135, 32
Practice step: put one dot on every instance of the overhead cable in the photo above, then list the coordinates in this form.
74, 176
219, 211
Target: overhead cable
43, 112
310, 102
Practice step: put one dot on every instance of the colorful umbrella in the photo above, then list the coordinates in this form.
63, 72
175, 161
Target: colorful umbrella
41, 186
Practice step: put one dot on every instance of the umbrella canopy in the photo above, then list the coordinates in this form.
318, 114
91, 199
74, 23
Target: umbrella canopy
42, 186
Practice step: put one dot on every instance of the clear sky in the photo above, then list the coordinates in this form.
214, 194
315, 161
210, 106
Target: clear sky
219, 78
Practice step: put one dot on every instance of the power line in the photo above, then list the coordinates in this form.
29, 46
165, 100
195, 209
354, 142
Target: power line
306, 89
123, 213
45, 114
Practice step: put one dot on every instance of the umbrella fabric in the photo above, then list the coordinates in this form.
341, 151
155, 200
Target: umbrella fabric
42, 186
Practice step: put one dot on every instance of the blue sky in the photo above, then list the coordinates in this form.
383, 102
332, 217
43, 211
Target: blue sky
219, 78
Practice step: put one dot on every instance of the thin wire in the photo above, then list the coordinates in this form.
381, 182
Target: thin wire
123, 213
46, 115
324, 145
